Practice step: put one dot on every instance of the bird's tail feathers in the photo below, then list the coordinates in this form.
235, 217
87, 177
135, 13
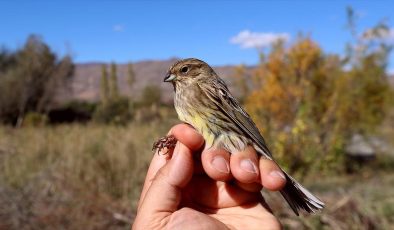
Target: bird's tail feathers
300, 198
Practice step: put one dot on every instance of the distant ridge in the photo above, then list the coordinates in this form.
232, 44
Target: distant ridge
85, 84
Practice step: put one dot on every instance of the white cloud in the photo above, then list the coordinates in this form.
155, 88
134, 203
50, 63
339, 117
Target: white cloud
248, 39
118, 28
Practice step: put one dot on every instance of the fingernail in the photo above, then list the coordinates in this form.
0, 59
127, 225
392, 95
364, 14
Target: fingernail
220, 164
248, 166
278, 174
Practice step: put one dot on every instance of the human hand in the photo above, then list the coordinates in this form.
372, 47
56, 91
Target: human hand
213, 191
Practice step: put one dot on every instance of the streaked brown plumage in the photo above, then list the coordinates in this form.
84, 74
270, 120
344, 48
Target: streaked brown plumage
203, 100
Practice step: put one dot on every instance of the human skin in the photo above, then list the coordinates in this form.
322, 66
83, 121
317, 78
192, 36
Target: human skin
196, 188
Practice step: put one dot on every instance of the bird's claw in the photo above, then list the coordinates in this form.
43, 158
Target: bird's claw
167, 142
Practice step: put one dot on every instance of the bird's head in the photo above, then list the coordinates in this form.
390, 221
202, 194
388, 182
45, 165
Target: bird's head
188, 71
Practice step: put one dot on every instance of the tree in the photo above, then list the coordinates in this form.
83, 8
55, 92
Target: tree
367, 56
104, 87
131, 75
308, 104
29, 79
151, 95
114, 108
113, 83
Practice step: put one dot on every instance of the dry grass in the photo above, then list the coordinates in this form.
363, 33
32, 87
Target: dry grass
89, 177
77, 177
357, 201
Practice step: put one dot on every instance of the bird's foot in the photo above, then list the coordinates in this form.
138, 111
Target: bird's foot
168, 143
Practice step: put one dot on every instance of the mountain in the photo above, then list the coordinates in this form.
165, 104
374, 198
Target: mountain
85, 84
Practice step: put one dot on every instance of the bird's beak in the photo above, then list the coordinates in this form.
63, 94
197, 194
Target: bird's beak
170, 78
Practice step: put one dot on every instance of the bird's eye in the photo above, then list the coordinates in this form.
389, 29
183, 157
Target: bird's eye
184, 69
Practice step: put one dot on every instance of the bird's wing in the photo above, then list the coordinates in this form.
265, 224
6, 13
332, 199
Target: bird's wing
218, 92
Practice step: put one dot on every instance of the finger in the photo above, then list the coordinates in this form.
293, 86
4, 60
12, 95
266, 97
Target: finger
272, 177
250, 187
183, 133
188, 136
193, 140
216, 164
158, 161
244, 165
164, 193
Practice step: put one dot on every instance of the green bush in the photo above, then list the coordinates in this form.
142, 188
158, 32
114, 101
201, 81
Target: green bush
151, 95
116, 111
73, 111
35, 119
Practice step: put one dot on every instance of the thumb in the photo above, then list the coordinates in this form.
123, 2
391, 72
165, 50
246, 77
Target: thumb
164, 193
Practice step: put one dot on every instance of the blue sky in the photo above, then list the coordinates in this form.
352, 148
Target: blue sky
124, 31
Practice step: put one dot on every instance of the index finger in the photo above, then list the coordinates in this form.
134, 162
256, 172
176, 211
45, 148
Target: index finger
188, 136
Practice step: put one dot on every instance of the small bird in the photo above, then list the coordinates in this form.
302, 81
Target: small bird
203, 100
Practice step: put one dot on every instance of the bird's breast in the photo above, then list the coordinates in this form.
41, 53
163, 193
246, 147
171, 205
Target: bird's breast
195, 108
199, 121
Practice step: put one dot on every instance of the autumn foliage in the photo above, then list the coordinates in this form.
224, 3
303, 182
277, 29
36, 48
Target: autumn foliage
308, 103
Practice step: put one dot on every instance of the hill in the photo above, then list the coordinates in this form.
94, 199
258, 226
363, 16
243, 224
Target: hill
85, 84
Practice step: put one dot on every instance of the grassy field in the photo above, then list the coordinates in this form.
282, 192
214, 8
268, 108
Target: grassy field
90, 176
77, 177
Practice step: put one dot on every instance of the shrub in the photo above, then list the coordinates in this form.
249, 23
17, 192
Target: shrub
116, 111
72, 111
35, 119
